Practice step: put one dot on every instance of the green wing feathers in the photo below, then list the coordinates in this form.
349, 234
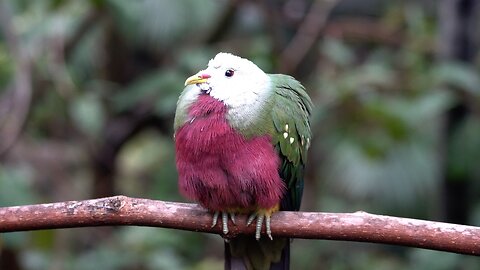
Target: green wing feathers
291, 112
289, 108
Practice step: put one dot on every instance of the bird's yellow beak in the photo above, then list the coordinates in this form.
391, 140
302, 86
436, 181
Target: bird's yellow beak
197, 78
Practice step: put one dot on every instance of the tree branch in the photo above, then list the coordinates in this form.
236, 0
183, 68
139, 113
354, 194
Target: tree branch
358, 226
21, 90
306, 36
85, 25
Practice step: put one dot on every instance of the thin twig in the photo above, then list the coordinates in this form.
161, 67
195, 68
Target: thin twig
22, 85
358, 226
366, 30
87, 23
306, 35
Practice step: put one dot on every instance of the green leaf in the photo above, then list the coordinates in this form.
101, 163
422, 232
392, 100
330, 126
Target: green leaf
159, 23
159, 89
458, 75
87, 113
464, 150
16, 186
337, 52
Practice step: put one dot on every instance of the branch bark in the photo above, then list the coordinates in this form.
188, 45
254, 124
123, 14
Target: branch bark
358, 226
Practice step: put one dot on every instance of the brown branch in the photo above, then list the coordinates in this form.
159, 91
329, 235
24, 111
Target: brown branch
366, 30
306, 36
86, 24
358, 226
224, 23
21, 90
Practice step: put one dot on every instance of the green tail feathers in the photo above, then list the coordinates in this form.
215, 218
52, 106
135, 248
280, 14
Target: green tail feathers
244, 252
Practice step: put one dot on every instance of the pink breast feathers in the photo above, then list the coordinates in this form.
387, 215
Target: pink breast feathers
221, 169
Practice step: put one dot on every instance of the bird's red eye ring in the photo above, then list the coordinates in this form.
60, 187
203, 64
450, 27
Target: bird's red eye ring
229, 72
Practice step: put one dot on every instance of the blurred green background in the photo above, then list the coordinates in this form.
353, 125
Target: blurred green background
88, 92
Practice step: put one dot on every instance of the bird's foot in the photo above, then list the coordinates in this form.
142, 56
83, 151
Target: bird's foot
261, 215
224, 216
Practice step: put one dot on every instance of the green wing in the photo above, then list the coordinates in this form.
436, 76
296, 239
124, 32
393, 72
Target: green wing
291, 110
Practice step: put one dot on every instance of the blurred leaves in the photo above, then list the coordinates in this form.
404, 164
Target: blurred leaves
158, 23
160, 87
6, 68
427, 259
16, 186
465, 150
457, 75
337, 52
381, 140
147, 168
87, 112
380, 104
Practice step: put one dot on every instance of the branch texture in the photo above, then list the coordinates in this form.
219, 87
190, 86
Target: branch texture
358, 226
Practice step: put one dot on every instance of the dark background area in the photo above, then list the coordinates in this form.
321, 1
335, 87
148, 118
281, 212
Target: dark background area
88, 92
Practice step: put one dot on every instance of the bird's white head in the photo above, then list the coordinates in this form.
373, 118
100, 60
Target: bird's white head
235, 81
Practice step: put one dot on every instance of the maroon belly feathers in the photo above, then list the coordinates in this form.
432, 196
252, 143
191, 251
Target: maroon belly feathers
219, 167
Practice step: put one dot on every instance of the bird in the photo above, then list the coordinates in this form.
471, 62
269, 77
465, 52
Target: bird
241, 141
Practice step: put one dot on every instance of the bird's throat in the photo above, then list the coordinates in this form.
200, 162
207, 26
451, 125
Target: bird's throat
207, 105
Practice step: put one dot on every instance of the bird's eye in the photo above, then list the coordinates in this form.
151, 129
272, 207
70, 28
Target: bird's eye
229, 72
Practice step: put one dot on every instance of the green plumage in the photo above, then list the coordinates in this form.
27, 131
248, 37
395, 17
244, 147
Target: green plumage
285, 117
292, 136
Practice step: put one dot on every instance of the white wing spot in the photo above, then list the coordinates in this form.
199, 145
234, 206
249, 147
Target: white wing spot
286, 127
292, 140
285, 135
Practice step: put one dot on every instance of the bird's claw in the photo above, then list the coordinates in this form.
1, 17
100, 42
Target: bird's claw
225, 215
258, 227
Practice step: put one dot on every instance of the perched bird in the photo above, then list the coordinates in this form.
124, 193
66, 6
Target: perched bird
241, 141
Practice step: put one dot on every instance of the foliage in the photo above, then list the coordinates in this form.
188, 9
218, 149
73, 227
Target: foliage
106, 76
